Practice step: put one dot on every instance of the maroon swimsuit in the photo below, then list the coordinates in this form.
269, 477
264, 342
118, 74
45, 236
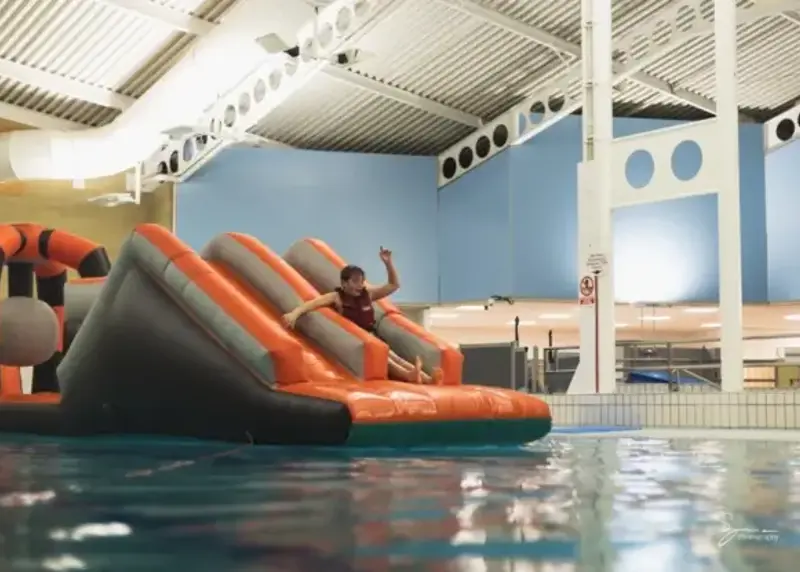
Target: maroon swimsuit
358, 309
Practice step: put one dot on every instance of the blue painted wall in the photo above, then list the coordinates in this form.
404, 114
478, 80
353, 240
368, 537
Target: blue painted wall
509, 227
354, 202
544, 183
663, 252
783, 223
475, 225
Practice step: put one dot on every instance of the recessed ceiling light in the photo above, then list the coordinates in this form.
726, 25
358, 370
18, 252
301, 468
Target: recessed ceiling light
710, 325
555, 316
694, 310
523, 322
443, 315
792, 317
471, 308
620, 325
654, 318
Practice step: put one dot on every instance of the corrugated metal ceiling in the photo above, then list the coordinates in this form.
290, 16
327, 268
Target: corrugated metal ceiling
327, 114
428, 48
93, 42
170, 51
436, 51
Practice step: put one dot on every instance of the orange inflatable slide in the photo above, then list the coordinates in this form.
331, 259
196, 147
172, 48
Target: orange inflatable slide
175, 342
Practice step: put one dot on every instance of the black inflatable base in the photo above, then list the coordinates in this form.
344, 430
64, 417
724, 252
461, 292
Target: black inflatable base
33, 418
248, 426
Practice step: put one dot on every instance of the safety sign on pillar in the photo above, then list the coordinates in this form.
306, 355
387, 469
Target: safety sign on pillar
587, 297
597, 263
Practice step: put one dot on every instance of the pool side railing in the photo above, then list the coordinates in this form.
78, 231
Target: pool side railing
672, 384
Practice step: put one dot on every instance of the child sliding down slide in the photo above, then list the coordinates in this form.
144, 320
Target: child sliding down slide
353, 299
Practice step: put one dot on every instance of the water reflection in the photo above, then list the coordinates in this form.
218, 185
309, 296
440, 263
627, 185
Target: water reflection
562, 505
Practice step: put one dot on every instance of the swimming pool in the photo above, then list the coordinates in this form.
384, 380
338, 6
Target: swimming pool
571, 502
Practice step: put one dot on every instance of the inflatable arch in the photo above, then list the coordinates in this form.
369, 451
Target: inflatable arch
40, 256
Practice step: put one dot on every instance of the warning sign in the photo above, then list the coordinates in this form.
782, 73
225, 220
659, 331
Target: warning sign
597, 262
586, 297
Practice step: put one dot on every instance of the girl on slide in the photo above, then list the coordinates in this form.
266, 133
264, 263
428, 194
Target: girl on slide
353, 299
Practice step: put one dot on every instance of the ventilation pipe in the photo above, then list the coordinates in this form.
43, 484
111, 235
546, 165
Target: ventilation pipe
215, 64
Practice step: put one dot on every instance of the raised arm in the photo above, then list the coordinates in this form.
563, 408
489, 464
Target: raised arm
322, 301
392, 281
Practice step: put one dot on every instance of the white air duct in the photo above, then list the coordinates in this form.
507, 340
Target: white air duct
215, 64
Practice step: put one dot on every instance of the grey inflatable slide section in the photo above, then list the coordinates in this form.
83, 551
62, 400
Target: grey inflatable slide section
323, 274
79, 297
144, 273
173, 347
263, 274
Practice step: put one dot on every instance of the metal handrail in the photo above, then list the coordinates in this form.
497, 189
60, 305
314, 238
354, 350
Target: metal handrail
669, 358
696, 376
679, 342
699, 366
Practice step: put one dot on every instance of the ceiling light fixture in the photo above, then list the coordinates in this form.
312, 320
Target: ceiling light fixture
620, 325
699, 310
710, 325
443, 316
792, 317
471, 308
654, 318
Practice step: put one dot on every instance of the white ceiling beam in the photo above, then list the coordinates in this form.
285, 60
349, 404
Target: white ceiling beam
573, 50
517, 124
521, 29
278, 79
338, 73
62, 85
791, 17
173, 18
402, 96
35, 119
312, 61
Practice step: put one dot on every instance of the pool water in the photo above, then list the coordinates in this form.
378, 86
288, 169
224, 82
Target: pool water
566, 503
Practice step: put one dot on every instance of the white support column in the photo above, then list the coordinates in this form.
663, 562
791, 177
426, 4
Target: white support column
427, 321
595, 495
596, 371
728, 203
418, 315
603, 186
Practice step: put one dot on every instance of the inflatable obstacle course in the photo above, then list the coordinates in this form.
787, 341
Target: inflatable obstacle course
32, 330
175, 342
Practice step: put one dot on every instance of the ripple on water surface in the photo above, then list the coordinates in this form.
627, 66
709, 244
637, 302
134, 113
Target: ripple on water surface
566, 503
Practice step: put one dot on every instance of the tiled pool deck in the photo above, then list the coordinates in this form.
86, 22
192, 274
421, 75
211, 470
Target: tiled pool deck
768, 409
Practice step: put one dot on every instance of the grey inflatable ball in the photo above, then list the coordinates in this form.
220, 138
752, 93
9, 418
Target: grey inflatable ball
28, 332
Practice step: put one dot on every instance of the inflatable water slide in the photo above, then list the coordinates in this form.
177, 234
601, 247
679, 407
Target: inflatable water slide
179, 343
